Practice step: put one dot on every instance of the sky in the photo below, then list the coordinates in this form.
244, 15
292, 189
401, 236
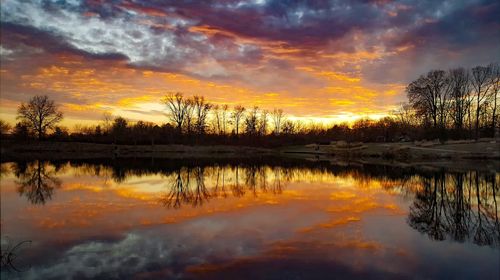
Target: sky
317, 60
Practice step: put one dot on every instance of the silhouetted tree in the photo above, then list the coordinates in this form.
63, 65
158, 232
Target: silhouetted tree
177, 107
428, 95
119, 128
460, 89
201, 110
190, 116
60, 133
251, 121
277, 117
263, 123
480, 81
107, 121
39, 114
237, 114
495, 89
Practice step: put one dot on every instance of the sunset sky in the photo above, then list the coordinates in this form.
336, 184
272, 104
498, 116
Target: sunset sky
322, 60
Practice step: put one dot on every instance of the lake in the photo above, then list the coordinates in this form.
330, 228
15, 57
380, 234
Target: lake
263, 218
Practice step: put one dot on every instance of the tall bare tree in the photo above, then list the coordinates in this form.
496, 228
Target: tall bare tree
460, 88
201, 110
237, 114
429, 96
224, 117
107, 121
440, 85
480, 81
189, 118
177, 106
423, 100
277, 117
251, 121
217, 119
263, 122
40, 114
495, 88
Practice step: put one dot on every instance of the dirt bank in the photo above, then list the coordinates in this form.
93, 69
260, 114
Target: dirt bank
486, 149
71, 150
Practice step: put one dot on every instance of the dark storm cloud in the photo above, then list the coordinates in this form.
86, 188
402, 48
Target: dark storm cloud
469, 25
12, 35
466, 36
208, 38
313, 23
305, 23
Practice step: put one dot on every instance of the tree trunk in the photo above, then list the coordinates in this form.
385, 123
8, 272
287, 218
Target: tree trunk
493, 121
478, 110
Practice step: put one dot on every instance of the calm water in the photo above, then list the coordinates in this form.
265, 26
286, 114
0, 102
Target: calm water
241, 219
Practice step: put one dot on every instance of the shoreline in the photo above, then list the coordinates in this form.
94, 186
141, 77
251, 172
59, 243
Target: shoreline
79, 150
467, 155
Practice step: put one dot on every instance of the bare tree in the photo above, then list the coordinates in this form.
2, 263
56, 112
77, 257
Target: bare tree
481, 84
277, 117
495, 88
189, 117
251, 121
217, 119
423, 100
201, 109
460, 87
224, 118
107, 120
39, 114
440, 86
263, 122
237, 114
429, 95
119, 128
221, 118
405, 115
177, 106
289, 127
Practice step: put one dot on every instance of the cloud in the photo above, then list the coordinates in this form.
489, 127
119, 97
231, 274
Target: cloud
128, 35
362, 49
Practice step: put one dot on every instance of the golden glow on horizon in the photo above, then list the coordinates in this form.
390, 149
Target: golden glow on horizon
85, 90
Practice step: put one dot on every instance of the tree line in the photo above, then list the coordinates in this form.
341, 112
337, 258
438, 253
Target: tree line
461, 102
458, 104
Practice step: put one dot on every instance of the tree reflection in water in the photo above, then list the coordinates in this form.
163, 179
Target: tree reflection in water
36, 181
457, 206
460, 206
184, 190
181, 189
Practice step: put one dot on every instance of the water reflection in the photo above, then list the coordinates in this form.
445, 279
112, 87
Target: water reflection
181, 191
187, 185
212, 218
456, 205
36, 181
